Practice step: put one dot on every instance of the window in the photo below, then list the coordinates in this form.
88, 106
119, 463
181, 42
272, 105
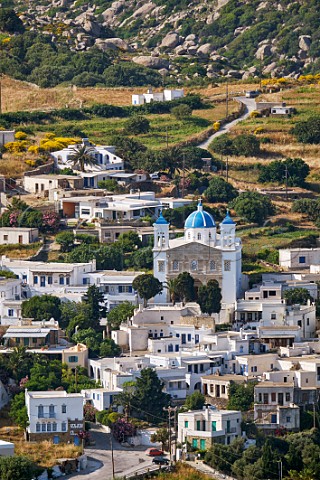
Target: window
194, 265
38, 427
85, 281
67, 280
273, 316
302, 259
161, 265
254, 369
273, 418
212, 265
63, 408
43, 427
227, 265
272, 293
35, 280
49, 280
285, 379
189, 337
199, 236
5, 237
202, 444
288, 419
48, 427
273, 397
260, 397
64, 426
223, 389
175, 265
61, 280
85, 211
73, 359
195, 443
51, 411
10, 312
186, 424
198, 424
288, 397
214, 426
54, 427
40, 411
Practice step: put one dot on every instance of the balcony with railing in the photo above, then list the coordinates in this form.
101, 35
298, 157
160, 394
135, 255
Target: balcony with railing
47, 415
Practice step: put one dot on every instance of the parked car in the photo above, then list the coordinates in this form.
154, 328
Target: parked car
160, 461
154, 452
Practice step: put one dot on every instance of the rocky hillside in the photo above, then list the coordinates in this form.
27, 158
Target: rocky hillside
187, 40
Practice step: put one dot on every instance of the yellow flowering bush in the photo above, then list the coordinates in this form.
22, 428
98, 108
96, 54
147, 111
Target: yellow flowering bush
20, 135
56, 143
16, 147
34, 149
216, 126
254, 114
258, 130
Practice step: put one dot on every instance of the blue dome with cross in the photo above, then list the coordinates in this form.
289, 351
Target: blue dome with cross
200, 219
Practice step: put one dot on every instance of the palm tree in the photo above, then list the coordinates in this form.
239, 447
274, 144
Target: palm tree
82, 156
171, 286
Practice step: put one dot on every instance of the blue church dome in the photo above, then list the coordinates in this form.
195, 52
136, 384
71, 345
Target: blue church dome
199, 219
161, 220
227, 220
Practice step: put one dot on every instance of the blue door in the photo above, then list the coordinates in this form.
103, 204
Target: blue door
76, 441
42, 281
56, 439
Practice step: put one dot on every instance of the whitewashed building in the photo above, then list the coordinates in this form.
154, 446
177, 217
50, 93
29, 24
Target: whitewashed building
202, 428
104, 155
166, 96
54, 415
18, 235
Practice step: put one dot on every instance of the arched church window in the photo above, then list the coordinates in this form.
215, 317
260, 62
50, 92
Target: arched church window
199, 236
189, 235
175, 265
194, 265
212, 265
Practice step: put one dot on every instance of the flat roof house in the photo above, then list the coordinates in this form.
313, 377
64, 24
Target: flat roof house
202, 428
18, 235
54, 415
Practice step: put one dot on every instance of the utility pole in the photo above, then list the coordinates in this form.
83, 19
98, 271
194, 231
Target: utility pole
227, 169
167, 140
112, 457
227, 99
0, 93
169, 410
280, 469
286, 178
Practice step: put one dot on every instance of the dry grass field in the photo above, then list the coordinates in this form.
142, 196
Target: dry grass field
17, 95
45, 454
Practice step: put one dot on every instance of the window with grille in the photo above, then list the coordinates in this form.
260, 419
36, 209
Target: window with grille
194, 265
227, 265
161, 266
175, 265
212, 265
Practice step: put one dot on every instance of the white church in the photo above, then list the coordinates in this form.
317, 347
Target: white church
203, 252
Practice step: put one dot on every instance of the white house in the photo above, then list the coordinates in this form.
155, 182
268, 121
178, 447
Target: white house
10, 300
91, 179
42, 277
100, 398
299, 258
43, 184
18, 235
166, 96
112, 208
105, 156
202, 428
54, 415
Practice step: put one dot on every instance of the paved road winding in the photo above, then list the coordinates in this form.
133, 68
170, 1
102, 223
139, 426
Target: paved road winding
126, 460
250, 106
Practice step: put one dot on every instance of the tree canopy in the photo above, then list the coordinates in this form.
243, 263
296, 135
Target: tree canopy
308, 131
136, 125
184, 287
295, 296
147, 286
297, 171
195, 401
220, 191
253, 207
209, 297
119, 314
42, 307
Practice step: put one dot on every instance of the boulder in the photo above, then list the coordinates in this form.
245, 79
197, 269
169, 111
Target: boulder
234, 74
163, 71
171, 40
193, 50
151, 62
191, 37
180, 50
269, 68
263, 52
204, 50
304, 42
144, 10
112, 44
